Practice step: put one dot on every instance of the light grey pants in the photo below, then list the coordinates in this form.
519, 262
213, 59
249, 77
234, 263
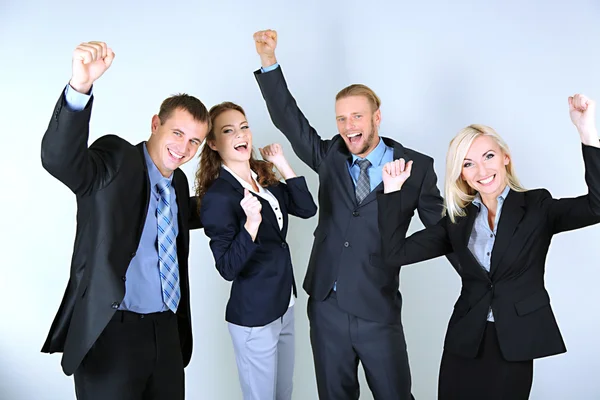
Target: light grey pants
265, 358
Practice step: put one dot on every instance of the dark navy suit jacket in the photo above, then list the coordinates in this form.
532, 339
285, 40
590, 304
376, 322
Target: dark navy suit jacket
261, 270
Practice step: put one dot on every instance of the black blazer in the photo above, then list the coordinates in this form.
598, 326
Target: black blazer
514, 288
112, 187
261, 271
347, 241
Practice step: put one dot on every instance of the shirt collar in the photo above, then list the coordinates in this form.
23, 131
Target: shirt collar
374, 156
242, 182
501, 197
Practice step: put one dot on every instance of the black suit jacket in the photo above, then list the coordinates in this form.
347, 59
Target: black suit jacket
514, 287
112, 187
261, 270
346, 247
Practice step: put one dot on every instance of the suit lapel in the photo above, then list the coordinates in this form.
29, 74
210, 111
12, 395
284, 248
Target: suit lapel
145, 200
182, 207
340, 167
464, 229
511, 214
267, 211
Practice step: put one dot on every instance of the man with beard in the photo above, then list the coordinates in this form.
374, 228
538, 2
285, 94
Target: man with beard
354, 304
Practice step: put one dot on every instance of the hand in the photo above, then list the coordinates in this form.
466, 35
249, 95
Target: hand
90, 61
274, 154
266, 42
395, 173
583, 115
252, 208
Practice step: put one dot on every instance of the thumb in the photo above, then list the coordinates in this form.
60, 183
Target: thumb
408, 167
246, 193
591, 106
110, 56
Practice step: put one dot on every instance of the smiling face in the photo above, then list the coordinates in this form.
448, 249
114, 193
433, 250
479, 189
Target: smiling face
358, 124
232, 137
484, 167
175, 141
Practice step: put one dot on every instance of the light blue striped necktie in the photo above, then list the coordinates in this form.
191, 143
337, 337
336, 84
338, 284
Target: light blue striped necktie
167, 248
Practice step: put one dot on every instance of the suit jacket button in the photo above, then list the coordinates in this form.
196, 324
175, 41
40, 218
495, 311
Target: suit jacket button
490, 286
346, 244
123, 278
133, 254
355, 213
115, 305
284, 245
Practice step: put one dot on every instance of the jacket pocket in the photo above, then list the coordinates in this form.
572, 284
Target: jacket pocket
532, 303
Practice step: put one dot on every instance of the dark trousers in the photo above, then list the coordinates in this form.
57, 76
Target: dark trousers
488, 376
137, 357
340, 340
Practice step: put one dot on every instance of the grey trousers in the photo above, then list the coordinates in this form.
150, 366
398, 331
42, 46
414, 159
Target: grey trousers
265, 358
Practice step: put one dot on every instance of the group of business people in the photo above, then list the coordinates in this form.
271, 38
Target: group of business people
124, 324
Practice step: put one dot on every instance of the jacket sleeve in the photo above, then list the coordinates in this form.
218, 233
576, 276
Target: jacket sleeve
230, 242
397, 250
66, 156
288, 118
573, 213
298, 200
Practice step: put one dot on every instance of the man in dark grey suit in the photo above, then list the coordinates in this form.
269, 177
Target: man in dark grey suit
124, 325
354, 304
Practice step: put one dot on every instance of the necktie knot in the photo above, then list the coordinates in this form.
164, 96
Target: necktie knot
163, 187
363, 164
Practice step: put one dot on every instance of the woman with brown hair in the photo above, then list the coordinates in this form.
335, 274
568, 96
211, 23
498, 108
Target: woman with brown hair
244, 210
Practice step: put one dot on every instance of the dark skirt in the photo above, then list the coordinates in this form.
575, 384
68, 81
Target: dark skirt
485, 377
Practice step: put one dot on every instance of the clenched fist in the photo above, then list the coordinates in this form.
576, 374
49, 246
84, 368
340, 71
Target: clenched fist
274, 154
90, 61
395, 173
583, 115
266, 42
252, 208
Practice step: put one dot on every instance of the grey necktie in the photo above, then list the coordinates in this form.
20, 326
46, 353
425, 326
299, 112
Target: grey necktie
363, 184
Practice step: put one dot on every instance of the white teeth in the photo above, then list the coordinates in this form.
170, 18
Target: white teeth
240, 145
488, 180
353, 135
175, 155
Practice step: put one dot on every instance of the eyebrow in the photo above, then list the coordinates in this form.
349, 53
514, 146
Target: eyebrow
354, 113
233, 126
468, 159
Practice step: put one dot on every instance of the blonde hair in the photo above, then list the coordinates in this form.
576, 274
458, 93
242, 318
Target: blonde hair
457, 193
358, 89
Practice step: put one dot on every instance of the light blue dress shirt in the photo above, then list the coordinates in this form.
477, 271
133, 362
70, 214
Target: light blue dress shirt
482, 239
143, 290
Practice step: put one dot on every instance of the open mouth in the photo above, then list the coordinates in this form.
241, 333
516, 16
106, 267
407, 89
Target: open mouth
242, 146
354, 137
487, 181
176, 156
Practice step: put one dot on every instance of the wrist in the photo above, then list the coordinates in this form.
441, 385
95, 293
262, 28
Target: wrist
391, 189
81, 87
589, 137
268, 60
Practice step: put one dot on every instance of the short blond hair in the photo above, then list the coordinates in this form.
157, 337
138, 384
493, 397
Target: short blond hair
358, 89
457, 193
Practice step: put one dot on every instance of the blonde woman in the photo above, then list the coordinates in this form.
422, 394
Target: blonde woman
501, 233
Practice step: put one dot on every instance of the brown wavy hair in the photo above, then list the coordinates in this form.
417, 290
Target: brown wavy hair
210, 161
